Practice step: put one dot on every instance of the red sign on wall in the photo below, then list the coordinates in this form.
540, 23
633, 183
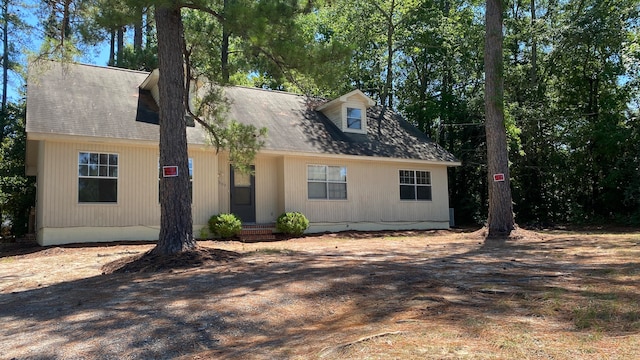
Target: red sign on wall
169, 171
498, 177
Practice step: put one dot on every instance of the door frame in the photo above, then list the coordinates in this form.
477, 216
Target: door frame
246, 212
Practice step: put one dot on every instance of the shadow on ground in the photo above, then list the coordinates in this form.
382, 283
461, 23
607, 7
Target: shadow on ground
288, 304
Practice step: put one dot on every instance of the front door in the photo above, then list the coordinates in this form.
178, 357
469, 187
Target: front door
243, 195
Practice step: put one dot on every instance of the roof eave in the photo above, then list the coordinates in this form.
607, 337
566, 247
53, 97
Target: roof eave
151, 80
360, 157
343, 99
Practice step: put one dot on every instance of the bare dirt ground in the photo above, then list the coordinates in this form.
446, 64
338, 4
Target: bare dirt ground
409, 295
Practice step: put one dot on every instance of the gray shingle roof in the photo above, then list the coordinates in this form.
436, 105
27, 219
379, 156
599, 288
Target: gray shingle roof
104, 102
294, 125
86, 100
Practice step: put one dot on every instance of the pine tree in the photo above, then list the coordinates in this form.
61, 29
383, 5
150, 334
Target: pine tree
500, 221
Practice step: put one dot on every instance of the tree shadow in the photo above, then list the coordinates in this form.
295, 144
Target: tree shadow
32, 247
244, 306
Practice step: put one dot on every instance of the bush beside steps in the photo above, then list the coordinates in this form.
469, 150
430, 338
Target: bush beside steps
292, 223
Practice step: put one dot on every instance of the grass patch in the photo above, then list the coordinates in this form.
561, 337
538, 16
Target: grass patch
607, 315
271, 251
603, 272
593, 316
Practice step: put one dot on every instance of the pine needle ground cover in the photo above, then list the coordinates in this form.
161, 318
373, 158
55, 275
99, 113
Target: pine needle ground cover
389, 295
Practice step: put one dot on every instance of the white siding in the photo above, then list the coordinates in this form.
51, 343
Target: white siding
373, 193
137, 206
267, 185
205, 186
137, 188
223, 183
334, 113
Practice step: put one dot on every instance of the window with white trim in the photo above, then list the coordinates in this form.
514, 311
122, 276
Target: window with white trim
415, 185
97, 177
354, 118
327, 182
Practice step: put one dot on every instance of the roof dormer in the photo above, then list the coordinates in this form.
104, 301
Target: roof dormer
349, 111
151, 84
149, 89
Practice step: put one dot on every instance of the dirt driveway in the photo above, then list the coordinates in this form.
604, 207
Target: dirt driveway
411, 295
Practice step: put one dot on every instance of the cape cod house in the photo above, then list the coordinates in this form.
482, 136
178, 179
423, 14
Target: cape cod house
92, 143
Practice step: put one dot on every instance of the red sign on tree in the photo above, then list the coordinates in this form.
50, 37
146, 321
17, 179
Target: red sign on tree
498, 177
169, 171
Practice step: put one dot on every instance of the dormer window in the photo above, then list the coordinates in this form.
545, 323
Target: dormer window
354, 118
349, 111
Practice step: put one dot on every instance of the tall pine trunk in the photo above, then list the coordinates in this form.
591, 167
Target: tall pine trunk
137, 30
5, 75
176, 224
224, 50
5, 55
387, 96
112, 48
500, 221
120, 50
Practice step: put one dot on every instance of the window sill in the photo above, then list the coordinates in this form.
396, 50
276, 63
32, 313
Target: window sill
341, 200
98, 203
354, 131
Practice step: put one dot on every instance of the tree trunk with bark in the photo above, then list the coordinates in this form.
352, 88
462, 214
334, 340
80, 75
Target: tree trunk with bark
176, 224
387, 96
224, 50
66, 21
5, 55
112, 48
500, 220
137, 30
120, 46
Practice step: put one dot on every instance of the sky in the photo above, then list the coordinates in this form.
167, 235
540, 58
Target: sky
97, 56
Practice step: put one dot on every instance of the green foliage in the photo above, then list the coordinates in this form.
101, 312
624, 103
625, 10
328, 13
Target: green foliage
225, 225
204, 233
17, 191
575, 111
241, 140
570, 74
70, 29
292, 223
145, 59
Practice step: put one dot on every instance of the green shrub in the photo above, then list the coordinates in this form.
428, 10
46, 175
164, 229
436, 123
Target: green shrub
292, 223
225, 225
205, 233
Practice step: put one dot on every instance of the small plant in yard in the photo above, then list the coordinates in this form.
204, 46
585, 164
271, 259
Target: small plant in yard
292, 223
204, 233
225, 225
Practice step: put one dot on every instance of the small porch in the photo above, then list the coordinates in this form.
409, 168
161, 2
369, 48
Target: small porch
257, 232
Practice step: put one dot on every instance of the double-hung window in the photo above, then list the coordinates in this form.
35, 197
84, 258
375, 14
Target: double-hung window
327, 182
415, 185
97, 177
354, 118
